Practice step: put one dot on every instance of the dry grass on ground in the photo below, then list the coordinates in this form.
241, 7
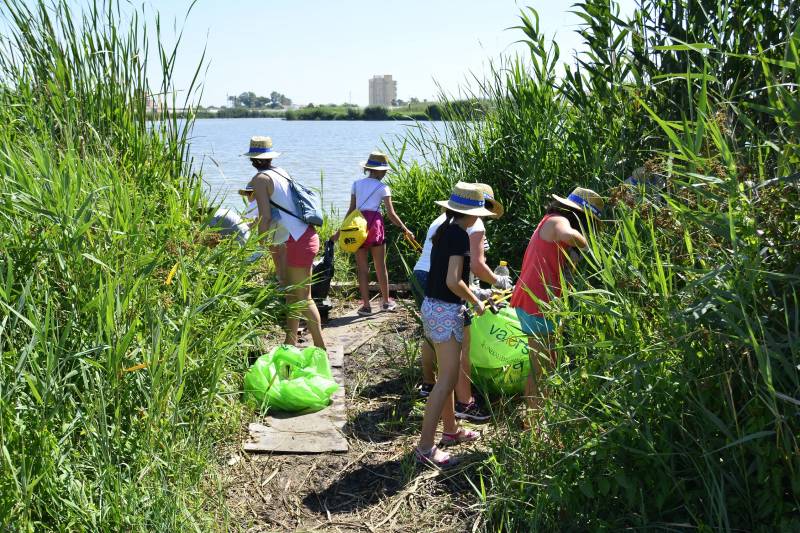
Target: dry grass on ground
376, 486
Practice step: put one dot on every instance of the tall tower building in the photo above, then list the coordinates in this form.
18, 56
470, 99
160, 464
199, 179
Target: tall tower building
382, 90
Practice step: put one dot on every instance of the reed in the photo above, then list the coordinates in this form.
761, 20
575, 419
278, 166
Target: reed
675, 403
120, 331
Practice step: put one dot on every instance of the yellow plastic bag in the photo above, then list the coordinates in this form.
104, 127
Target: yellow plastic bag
353, 232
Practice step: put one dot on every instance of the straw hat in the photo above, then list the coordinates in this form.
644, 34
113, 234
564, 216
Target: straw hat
491, 204
467, 198
247, 191
376, 161
583, 200
261, 148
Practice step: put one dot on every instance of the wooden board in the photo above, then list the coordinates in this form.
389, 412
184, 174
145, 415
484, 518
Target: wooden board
373, 287
266, 439
351, 331
317, 432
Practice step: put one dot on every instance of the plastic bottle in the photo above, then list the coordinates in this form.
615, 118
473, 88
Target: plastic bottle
502, 269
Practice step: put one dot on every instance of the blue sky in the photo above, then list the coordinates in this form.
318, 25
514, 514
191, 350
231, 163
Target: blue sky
325, 51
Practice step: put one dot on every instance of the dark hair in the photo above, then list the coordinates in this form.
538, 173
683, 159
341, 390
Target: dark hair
449, 218
577, 219
368, 171
262, 164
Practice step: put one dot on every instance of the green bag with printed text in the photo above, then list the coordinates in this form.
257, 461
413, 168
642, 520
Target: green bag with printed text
498, 352
290, 379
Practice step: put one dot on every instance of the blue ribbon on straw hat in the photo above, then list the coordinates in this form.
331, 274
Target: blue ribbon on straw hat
376, 161
583, 200
467, 198
261, 148
489, 201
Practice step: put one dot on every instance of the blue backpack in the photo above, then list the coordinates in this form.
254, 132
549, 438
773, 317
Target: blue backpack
307, 204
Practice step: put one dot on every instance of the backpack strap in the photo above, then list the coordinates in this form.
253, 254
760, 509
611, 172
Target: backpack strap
370, 195
280, 207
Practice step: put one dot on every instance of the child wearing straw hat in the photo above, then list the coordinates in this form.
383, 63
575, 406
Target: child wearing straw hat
466, 407
443, 313
562, 229
367, 195
294, 244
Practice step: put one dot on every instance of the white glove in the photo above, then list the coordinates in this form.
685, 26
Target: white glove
503, 282
482, 294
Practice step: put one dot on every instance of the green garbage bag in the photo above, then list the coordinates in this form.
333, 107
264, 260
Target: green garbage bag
498, 352
290, 379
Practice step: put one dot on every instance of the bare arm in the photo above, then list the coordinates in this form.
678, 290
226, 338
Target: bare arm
477, 263
390, 213
262, 189
454, 282
558, 229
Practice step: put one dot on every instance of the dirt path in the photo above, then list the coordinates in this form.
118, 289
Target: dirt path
376, 486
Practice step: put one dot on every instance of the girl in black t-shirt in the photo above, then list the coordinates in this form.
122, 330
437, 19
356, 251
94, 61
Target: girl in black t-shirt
443, 317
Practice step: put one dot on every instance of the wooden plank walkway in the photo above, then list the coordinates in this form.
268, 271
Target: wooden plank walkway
318, 432
373, 287
352, 331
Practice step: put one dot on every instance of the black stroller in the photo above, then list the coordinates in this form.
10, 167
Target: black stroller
321, 281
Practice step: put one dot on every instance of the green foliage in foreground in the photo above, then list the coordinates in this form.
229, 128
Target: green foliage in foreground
118, 327
676, 401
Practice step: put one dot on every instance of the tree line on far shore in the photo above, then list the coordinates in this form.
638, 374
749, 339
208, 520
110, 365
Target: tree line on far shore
411, 111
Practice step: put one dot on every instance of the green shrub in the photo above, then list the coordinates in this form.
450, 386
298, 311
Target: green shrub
119, 327
675, 401
376, 113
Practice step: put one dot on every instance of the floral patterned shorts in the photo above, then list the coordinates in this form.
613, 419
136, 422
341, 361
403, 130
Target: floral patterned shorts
441, 320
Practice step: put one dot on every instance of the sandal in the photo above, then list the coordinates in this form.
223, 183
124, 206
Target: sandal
460, 436
390, 306
365, 311
425, 390
429, 458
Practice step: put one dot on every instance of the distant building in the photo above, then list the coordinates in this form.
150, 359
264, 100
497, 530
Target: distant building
151, 104
382, 90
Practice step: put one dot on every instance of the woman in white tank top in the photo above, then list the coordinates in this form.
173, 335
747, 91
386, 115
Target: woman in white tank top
294, 244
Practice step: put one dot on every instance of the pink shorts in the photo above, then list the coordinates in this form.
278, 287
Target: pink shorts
376, 234
301, 252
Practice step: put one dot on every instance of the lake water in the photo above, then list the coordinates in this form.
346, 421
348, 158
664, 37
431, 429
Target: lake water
320, 154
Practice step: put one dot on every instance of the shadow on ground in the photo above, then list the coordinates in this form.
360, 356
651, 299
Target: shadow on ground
368, 485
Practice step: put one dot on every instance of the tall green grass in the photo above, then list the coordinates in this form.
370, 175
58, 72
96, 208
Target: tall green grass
119, 328
676, 401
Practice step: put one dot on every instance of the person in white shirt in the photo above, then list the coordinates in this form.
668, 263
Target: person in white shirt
367, 195
294, 244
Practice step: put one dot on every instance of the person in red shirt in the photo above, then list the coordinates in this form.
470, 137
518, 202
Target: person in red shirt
562, 229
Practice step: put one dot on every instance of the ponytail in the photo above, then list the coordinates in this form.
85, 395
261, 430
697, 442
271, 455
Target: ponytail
450, 217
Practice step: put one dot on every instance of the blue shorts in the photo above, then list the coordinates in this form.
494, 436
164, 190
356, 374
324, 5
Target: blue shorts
534, 325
